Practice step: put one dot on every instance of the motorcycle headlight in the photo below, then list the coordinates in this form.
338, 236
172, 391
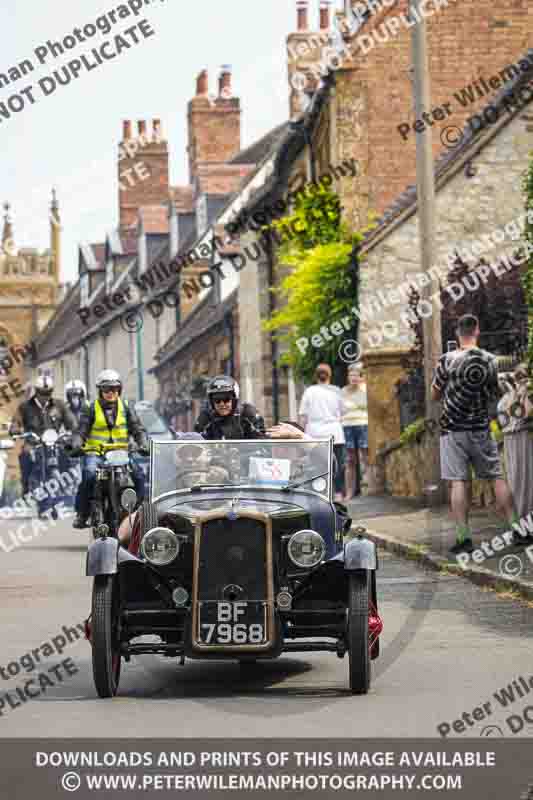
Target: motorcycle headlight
306, 548
160, 546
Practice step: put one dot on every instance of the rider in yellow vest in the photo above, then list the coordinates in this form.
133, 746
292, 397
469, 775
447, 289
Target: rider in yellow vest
107, 425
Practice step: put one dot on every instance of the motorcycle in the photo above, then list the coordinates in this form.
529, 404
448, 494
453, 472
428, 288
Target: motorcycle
46, 453
113, 477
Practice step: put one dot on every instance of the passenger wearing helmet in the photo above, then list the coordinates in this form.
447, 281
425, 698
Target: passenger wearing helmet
224, 417
40, 412
106, 425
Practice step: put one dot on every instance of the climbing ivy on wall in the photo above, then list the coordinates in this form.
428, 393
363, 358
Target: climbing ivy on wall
323, 282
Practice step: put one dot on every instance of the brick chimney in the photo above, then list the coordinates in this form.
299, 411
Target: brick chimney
214, 127
305, 50
142, 170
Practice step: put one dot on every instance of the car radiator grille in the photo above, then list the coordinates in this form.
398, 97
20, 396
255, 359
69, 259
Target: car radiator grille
232, 553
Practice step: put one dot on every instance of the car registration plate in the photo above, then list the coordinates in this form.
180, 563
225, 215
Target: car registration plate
236, 623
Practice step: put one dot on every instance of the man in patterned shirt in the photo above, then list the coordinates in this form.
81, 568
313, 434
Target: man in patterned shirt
467, 380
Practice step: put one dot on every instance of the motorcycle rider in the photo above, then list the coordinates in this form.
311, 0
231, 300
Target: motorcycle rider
224, 417
76, 397
76, 400
106, 424
40, 412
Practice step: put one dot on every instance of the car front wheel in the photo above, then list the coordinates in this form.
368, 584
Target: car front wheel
358, 640
104, 635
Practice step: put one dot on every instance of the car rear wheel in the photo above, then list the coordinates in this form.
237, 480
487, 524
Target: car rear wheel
358, 640
105, 635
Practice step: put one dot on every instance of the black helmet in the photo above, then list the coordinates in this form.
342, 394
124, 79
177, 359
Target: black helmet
223, 385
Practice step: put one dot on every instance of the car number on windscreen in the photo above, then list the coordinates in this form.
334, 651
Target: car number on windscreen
232, 623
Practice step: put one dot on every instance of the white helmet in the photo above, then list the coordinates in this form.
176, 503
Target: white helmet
75, 393
109, 378
44, 385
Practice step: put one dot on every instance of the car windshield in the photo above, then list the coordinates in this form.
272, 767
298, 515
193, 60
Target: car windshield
151, 420
266, 463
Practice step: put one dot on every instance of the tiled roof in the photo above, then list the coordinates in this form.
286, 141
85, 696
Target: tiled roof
257, 151
446, 165
154, 218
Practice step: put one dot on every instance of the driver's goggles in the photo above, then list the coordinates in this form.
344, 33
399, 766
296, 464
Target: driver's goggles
110, 389
222, 398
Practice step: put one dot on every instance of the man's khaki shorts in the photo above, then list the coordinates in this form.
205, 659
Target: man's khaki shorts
461, 449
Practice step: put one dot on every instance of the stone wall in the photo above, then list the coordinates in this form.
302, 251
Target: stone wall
405, 472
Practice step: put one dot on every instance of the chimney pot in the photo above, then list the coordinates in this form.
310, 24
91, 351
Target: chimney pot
156, 129
126, 129
224, 81
324, 15
302, 9
142, 127
202, 83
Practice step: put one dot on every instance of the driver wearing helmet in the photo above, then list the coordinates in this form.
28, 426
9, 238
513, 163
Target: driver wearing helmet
106, 424
224, 417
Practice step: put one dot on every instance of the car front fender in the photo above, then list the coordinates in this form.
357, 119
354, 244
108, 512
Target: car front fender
360, 553
105, 555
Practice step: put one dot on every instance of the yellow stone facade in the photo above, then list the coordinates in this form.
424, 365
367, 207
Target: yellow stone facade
29, 294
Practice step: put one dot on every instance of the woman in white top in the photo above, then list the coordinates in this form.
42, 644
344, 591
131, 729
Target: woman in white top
355, 422
321, 412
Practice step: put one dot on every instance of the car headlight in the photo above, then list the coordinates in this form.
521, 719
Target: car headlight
306, 548
160, 546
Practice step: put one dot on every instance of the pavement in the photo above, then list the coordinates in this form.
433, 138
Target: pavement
412, 529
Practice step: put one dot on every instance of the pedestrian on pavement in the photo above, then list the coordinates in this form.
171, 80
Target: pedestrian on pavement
466, 380
355, 424
515, 415
321, 412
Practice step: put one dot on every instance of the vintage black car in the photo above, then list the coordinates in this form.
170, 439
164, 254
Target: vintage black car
240, 554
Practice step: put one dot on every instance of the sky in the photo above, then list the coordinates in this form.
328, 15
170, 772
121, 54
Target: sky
70, 138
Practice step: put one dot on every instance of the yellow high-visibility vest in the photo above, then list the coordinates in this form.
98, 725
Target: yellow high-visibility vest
101, 436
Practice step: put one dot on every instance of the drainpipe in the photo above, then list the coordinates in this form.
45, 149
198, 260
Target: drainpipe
86, 370
140, 366
229, 333
308, 141
273, 341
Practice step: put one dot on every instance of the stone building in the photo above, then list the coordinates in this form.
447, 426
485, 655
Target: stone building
30, 290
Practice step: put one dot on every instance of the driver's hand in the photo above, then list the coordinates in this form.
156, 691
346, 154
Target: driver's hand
285, 431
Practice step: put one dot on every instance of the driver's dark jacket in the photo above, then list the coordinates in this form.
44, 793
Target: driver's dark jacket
243, 423
33, 417
135, 427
